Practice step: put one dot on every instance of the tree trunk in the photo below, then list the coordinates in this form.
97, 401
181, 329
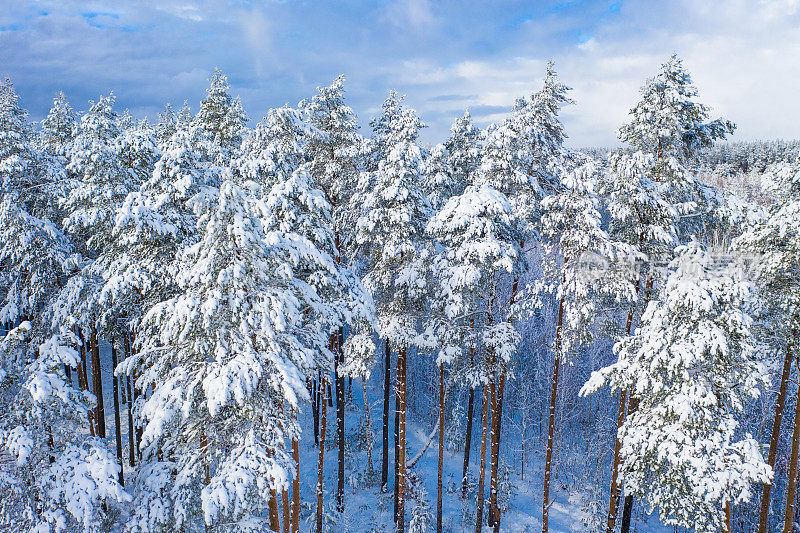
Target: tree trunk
470, 416
287, 519
633, 404
792, 489
323, 411
274, 520
83, 382
613, 504
131, 441
482, 469
401, 434
296, 483
396, 437
728, 516
494, 509
387, 386
367, 428
776, 430
441, 451
117, 427
315, 408
468, 441
97, 385
548, 462
340, 392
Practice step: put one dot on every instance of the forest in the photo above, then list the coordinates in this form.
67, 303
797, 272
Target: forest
211, 324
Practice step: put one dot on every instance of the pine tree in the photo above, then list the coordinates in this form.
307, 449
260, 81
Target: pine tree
334, 150
692, 365
391, 233
222, 117
776, 242
480, 241
580, 264
667, 131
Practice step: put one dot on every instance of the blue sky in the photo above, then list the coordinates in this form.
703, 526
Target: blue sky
444, 55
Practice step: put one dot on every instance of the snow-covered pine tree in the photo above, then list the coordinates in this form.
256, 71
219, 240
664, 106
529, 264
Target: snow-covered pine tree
58, 127
334, 146
775, 241
580, 264
692, 364
167, 124
226, 359
222, 117
480, 242
667, 131
464, 151
391, 234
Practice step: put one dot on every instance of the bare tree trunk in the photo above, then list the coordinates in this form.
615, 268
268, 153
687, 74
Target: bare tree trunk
776, 430
470, 415
613, 503
367, 427
296, 483
728, 517
493, 507
97, 385
441, 452
126, 346
274, 520
401, 433
323, 412
315, 408
396, 439
482, 470
387, 386
340, 392
633, 405
792, 489
83, 382
548, 463
117, 428
285, 507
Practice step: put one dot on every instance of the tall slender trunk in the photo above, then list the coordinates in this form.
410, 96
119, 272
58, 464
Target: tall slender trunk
482, 469
401, 434
285, 507
792, 489
83, 382
367, 426
396, 437
494, 508
323, 419
315, 408
470, 416
728, 516
131, 442
441, 451
97, 385
492, 429
387, 386
117, 427
776, 429
274, 520
340, 392
633, 405
613, 504
548, 462
296, 481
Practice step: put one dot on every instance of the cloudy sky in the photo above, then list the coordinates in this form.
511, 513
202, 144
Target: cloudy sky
444, 55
